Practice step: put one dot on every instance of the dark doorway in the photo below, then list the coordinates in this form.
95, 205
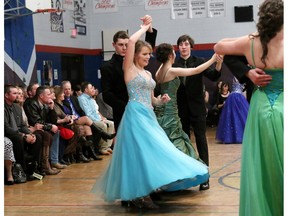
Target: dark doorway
72, 68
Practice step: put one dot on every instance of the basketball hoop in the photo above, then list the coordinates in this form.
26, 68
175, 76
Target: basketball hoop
49, 10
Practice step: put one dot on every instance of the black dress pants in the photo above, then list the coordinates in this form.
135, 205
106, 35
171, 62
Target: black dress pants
198, 124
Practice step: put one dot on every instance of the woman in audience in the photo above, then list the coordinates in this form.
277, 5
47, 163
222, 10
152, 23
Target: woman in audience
61, 146
74, 145
222, 96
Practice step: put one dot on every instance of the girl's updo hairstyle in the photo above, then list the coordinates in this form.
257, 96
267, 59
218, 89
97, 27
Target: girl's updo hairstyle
163, 51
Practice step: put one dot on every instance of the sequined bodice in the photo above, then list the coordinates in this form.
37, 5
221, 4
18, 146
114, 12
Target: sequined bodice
139, 89
276, 86
237, 87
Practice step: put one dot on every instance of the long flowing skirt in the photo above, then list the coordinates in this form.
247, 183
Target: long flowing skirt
144, 160
261, 188
232, 120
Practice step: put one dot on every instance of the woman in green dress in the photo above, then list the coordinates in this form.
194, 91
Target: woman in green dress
167, 115
261, 186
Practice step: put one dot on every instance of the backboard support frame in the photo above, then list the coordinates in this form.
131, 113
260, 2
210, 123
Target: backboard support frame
15, 8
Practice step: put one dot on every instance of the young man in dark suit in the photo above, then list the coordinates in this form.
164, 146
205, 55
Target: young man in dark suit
190, 100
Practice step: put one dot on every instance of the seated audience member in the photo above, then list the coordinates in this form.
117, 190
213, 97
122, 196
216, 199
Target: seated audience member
61, 142
9, 159
91, 109
74, 145
73, 108
26, 146
31, 92
38, 112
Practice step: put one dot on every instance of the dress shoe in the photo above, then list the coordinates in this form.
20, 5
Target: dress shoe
59, 166
204, 186
145, 203
105, 136
155, 196
126, 203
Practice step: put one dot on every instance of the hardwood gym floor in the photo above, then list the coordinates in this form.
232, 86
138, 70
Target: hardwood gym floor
71, 191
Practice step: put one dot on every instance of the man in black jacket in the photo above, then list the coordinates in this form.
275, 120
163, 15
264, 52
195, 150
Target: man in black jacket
190, 99
18, 132
39, 113
112, 76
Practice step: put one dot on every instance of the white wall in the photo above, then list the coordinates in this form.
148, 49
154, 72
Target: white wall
203, 30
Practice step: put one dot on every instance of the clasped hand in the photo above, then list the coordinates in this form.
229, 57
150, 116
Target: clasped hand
165, 98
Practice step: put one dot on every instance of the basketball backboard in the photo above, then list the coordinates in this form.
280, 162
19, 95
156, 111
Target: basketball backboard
35, 5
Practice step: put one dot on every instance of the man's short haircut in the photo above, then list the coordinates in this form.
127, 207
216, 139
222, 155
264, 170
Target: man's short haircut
64, 82
8, 87
84, 85
41, 89
120, 35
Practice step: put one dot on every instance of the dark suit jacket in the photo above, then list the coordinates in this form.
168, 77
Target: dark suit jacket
191, 96
113, 85
37, 113
238, 66
75, 102
9, 131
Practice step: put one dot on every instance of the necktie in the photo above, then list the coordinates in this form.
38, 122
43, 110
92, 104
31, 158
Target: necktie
73, 109
184, 78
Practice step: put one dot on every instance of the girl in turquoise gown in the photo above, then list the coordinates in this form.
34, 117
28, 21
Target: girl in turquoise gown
144, 160
167, 114
261, 185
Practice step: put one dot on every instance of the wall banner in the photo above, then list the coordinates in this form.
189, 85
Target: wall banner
216, 8
105, 6
157, 4
179, 9
56, 18
197, 9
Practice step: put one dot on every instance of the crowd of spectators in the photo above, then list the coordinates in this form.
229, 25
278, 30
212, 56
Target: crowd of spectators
46, 130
